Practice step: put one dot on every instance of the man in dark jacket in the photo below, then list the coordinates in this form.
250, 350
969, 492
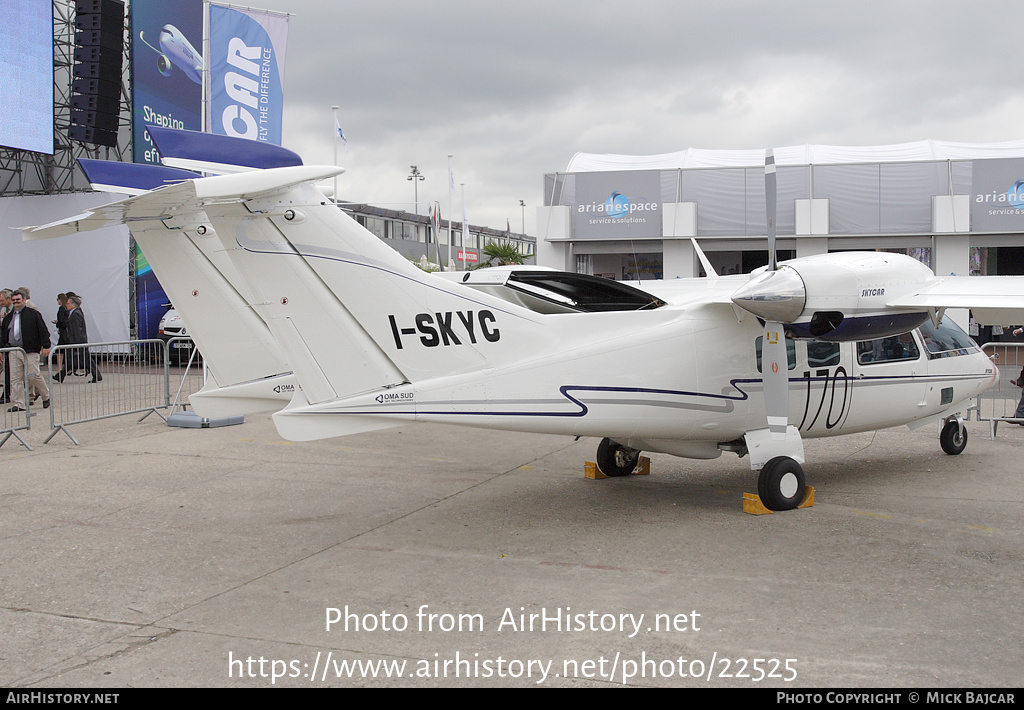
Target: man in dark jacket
25, 328
77, 358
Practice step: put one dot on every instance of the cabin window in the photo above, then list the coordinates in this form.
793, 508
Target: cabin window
822, 354
790, 352
896, 348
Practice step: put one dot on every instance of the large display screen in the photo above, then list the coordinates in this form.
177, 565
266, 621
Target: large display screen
26, 65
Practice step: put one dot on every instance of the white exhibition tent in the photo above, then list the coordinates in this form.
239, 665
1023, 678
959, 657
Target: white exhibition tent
692, 158
95, 265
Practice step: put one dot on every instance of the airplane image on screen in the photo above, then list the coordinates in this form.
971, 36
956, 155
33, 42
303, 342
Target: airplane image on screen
300, 310
176, 50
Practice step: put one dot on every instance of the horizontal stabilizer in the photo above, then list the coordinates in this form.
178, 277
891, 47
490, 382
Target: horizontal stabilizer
172, 230
211, 153
111, 215
130, 178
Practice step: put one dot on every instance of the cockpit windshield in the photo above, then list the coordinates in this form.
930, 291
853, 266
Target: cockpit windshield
948, 340
581, 292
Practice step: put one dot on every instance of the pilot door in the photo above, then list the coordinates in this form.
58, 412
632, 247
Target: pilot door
889, 382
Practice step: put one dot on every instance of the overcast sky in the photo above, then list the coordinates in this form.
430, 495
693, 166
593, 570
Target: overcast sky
514, 89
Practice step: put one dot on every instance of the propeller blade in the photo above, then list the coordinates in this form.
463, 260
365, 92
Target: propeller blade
775, 376
770, 201
774, 359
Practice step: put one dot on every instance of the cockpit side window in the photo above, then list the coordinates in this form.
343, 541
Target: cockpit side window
895, 348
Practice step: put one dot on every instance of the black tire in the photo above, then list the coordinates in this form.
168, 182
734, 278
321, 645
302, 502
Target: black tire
615, 460
953, 439
781, 484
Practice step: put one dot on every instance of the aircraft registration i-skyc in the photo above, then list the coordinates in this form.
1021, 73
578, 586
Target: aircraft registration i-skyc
299, 309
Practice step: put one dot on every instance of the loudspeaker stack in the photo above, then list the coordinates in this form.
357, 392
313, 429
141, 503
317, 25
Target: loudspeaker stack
99, 55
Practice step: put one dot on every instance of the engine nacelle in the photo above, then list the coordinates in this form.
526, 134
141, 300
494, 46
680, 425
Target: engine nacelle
838, 297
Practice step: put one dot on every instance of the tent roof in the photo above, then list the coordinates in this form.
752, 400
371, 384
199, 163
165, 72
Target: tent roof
797, 155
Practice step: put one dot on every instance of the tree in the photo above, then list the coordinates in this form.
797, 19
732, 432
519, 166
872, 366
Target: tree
500, 254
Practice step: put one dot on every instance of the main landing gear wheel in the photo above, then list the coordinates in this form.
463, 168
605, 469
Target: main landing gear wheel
616, 460
953, 439
781, 484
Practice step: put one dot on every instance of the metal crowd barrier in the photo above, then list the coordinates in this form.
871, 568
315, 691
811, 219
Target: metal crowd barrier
133, 377
999, 403
189, 379
13, 422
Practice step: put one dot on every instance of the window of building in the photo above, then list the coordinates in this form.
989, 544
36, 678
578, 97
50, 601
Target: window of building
377, 226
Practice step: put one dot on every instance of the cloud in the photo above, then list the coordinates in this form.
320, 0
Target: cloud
514, 89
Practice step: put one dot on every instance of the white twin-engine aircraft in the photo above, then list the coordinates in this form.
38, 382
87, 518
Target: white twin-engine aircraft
299, 309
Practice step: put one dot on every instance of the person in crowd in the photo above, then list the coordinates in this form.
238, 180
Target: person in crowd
28, 301
25, 328
77, 335
61, 323
1019, 414
34, 391
5, 308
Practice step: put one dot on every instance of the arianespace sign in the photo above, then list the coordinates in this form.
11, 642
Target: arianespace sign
997, 195
618, 205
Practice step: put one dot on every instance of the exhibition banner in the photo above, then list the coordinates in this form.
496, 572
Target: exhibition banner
166, 69
167, 80
997, 195
618, 205
245, 94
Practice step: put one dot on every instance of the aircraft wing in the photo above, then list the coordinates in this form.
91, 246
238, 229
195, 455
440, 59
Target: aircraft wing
993, 300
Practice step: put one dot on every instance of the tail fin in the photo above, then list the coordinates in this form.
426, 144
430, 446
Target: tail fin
294, 277
386, 310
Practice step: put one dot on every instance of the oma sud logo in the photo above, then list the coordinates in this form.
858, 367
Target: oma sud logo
395, 397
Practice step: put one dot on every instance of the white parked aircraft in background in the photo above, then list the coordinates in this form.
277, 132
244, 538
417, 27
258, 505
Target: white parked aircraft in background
811, 347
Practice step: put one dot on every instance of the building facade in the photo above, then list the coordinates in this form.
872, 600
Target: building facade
959, 208
415, 236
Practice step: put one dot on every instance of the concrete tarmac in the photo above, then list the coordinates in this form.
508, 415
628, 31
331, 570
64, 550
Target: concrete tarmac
155, 556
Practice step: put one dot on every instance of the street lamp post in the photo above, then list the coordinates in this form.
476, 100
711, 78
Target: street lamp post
416, 178
523, 206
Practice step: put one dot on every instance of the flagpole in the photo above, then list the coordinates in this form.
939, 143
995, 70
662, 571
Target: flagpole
334, 111
451, 188
203, 123
465, 226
